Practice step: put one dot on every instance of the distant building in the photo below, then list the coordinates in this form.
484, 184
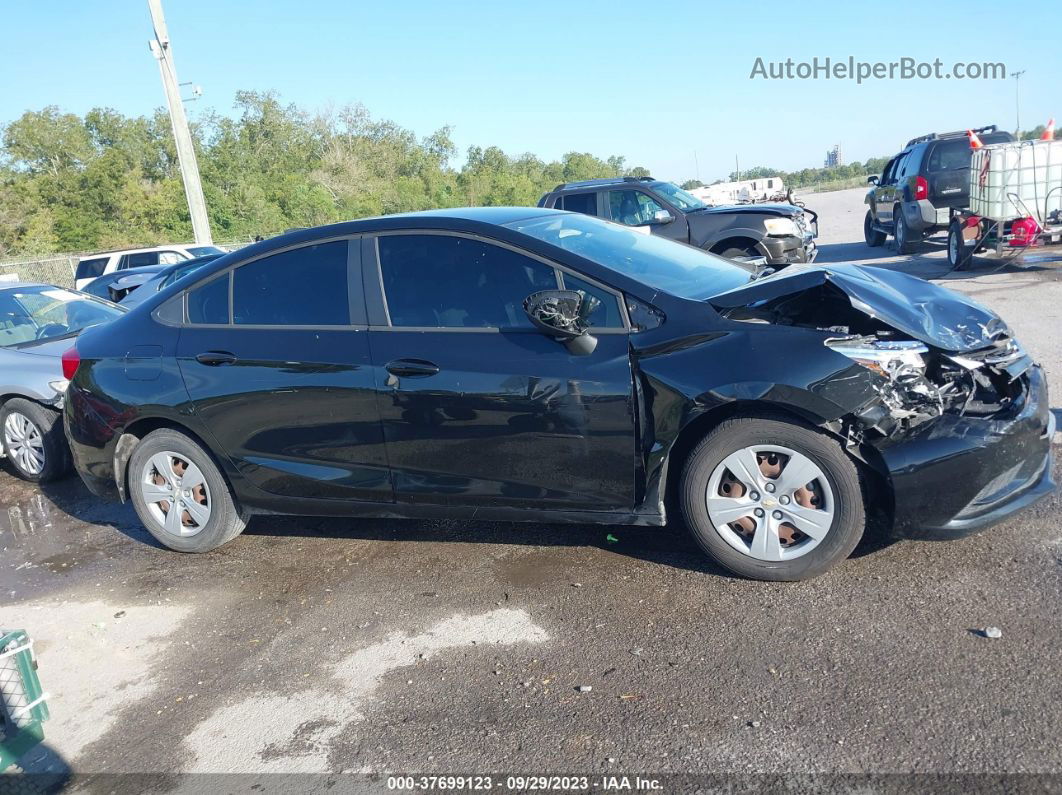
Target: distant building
834, 157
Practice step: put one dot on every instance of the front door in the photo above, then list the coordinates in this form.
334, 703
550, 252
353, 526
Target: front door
479, 408
281, 377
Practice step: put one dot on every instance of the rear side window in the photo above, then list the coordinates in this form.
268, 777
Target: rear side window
209, 303
439, 281
302, 287
91, 268
585, 203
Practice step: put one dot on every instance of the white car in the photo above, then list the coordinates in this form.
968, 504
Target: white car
95, 265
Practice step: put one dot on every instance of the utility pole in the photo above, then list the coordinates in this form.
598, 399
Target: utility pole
1017, 102
737, 169
193, 188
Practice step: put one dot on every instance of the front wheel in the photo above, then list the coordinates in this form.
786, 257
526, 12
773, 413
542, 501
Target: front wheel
874, 237
772, 500
180, 494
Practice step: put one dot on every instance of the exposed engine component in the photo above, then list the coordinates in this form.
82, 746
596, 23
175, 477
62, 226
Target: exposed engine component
920, 384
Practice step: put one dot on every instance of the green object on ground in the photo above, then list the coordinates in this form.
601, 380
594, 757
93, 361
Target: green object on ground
22, 702
611, 539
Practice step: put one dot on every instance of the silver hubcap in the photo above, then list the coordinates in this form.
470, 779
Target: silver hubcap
770, 503
24, 443
176, 494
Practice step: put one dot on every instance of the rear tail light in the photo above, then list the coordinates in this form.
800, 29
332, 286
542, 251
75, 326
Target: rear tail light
921, 188
71, 359
1023, 232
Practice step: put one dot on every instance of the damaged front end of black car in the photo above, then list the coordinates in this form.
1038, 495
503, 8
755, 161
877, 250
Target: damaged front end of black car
942, 401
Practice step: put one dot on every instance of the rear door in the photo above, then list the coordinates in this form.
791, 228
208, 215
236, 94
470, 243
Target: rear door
478, 407
275, 356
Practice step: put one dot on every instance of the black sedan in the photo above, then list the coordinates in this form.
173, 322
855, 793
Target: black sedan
531, 364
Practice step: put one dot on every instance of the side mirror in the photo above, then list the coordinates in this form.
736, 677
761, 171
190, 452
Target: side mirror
872, 179
563, 314
662, 217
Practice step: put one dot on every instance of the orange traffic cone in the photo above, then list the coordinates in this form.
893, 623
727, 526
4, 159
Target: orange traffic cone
1049, 133
975, 142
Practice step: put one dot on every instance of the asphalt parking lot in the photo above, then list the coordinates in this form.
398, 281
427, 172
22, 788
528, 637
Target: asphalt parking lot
394, 647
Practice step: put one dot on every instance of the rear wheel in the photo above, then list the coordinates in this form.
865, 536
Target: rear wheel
874, 237
772, 500
959, 253
904, 243
34, 440
180, 494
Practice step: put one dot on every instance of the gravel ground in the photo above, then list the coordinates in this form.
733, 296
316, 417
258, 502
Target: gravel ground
329, 646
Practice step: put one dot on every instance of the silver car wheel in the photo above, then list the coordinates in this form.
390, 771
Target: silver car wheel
24, 443
770, 502
176, 494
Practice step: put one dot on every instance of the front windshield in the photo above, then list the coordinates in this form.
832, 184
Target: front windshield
678, 197
36, 314
655, 261
202, 251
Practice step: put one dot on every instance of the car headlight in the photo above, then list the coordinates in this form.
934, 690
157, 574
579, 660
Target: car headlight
885, 357
59, 386
781, 226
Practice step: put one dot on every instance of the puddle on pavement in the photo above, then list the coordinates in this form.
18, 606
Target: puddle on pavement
37, 536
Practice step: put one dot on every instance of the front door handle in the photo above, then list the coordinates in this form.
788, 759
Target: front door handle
411, 368
214, 358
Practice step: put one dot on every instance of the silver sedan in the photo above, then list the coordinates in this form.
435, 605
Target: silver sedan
38, 323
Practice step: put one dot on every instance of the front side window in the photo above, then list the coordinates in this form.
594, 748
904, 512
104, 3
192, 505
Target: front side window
303, 287
632, 207
442, 281
607, 314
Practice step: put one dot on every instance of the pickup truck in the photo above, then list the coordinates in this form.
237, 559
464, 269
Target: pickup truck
780, 233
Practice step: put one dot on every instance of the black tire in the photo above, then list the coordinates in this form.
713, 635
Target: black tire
843, 478
48, 425
902, 232
959, 254
225, 522
874, 237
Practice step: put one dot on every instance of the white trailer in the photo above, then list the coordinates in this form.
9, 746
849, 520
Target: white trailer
1015, 209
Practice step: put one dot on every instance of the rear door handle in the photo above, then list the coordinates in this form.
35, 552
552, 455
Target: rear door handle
214, 358
411, 367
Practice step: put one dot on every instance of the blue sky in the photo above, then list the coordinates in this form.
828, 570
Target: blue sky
654, 82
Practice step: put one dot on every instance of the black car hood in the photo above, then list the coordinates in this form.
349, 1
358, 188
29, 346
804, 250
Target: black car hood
934, 315
787, 210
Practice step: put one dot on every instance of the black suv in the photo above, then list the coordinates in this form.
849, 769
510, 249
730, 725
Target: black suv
920, 187
778, 232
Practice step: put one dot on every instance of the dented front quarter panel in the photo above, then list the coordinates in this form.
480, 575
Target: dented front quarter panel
683, 373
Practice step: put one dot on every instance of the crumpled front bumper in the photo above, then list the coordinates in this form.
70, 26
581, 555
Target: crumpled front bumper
957, 475
790, 249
